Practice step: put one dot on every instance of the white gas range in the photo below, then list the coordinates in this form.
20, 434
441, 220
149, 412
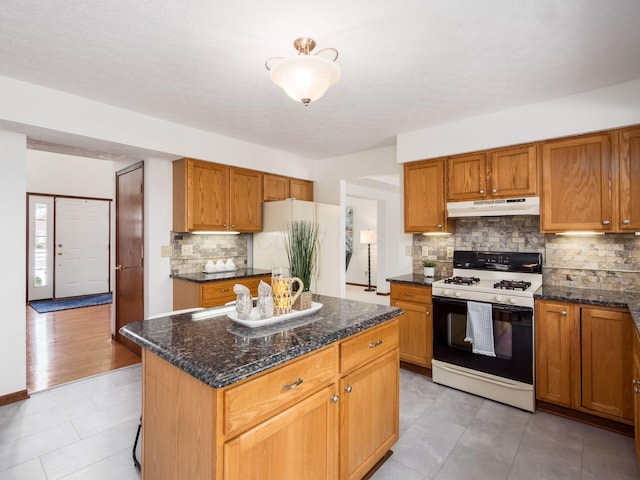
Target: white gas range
500, 286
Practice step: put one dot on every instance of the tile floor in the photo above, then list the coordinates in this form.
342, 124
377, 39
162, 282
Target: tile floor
85, 430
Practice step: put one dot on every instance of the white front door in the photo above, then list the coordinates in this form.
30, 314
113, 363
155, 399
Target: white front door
82, 247
41, 250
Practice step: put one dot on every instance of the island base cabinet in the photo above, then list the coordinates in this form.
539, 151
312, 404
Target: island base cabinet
369, 413
635, 383
273, 449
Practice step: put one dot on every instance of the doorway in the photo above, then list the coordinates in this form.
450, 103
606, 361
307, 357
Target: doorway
68, 246
129, 289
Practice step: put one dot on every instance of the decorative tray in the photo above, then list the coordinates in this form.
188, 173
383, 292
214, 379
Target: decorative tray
255, 320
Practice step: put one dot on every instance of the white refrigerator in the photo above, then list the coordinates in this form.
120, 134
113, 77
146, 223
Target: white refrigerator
268, 247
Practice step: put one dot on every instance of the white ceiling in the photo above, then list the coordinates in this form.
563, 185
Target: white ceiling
406, 65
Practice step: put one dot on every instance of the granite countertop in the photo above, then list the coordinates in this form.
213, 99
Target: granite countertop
201, 277
593, 296
220, 352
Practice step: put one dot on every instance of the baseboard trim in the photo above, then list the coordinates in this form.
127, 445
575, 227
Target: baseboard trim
14, 397
426, 371
587, 418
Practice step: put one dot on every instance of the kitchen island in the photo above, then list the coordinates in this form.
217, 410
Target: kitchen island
314, 397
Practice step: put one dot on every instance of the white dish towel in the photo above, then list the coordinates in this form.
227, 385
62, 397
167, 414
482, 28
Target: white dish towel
480, 328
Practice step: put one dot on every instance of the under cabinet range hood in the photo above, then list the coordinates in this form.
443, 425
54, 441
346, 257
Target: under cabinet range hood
495, 207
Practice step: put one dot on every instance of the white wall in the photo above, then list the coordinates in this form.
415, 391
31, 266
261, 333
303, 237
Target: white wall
13, 355
55, 173
601, 109
365, 217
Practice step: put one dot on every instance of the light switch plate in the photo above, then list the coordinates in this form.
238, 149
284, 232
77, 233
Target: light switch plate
425, 251
407, 250
449, 252
166, 250
186, 250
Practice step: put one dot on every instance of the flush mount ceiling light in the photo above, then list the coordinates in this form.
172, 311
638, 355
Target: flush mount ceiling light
305, 77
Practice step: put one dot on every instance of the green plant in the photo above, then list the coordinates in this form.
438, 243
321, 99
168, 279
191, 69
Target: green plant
428, 263
301, 244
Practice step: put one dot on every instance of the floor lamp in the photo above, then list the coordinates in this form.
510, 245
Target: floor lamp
369, 237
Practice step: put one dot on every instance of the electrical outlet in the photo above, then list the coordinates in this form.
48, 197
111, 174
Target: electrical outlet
166, 250
407, 250
425, 251
449, 252
186, 250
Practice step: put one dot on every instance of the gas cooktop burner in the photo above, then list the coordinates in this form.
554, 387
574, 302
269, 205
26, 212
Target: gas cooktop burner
512, 285
462, 280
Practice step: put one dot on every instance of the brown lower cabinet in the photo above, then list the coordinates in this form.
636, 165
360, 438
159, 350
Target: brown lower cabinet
188, 294
636, 389
584, 359
416, 324
333, 413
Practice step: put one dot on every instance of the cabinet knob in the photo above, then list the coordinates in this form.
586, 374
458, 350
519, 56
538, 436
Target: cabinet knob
635, 382
224, 225
481, 190
293, 385
439, 225
348, 388
233, 225
606, 222
636, 390
626, 222
335, 399
563, 313
427, 312
495, 190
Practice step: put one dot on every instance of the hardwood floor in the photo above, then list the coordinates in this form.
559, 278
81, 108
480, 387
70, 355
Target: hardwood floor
71, 344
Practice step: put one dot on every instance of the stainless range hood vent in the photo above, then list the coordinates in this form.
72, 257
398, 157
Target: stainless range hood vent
494, 208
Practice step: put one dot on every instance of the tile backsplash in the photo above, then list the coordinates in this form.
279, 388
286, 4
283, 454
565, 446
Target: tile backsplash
207, 247
610, 261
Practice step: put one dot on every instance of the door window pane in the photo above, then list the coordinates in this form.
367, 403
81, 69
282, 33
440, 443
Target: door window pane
40, 253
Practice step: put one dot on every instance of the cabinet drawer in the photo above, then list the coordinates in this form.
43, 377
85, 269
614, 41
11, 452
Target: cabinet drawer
219, 293
410, 293
258, 398
368, 346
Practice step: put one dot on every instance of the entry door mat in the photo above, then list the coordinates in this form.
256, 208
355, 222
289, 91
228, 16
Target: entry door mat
46, 306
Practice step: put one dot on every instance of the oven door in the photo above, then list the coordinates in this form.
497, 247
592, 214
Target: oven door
513, 339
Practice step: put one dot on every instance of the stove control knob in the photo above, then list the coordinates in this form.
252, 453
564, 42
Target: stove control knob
457, 294
512, 300
446, 291
499, 298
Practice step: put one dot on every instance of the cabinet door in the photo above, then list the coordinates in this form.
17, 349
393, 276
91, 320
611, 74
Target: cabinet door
207, 195
606, 341
300, 442
636, 388
424, 205
466, 177
369, 415
416, 333
629, 143
553, 351
301, 189
513, 172
576, 179
275, 187
245, 200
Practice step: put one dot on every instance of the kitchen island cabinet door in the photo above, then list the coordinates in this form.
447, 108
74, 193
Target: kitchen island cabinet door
299, 443
636, 389
416, 333
369, 415
576, 185
424, 197
555, 322
629, 193
606, 346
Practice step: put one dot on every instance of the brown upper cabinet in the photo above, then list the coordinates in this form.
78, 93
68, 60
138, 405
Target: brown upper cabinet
576, 185
629, 178
278, 187
210, 196
424, 197
508, 172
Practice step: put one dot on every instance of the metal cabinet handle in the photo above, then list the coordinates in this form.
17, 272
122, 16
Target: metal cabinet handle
59, 253
626, 222
563, 313
635, 382
222, 290
348, 389
293, 385
335, 399
606, 222
636, 390
410, 294
375, 344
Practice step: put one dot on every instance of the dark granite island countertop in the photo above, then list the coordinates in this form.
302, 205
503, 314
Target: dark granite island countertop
220, 352
201, 277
